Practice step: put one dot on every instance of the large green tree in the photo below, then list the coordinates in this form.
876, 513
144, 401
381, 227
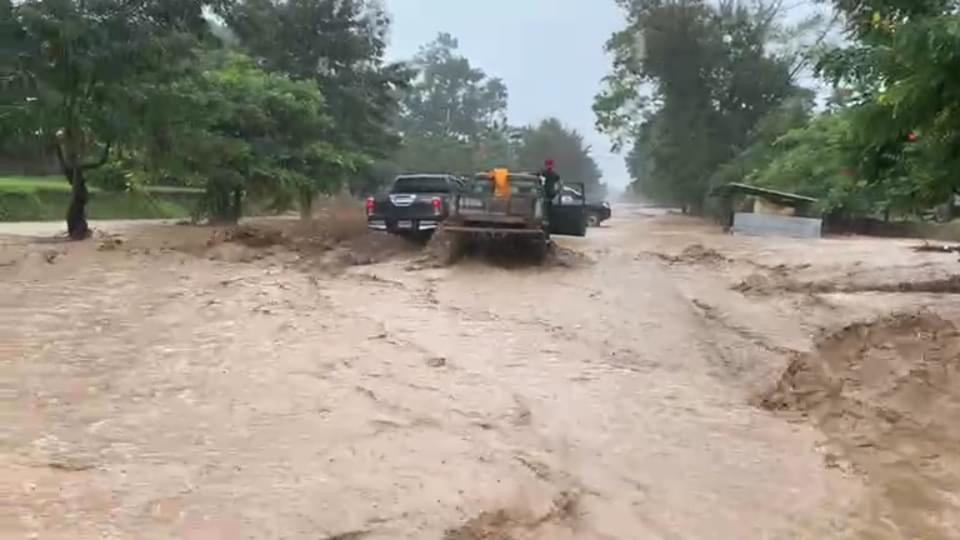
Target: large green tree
690, 81
339, 44
235, 129
450, 97
453, 117
77, 75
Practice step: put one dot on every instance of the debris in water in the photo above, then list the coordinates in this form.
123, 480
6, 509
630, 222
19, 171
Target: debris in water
936, 248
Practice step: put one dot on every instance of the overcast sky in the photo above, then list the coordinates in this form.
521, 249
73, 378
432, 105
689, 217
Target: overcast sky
548, 52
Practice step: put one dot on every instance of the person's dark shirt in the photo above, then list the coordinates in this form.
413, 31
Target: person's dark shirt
550, 181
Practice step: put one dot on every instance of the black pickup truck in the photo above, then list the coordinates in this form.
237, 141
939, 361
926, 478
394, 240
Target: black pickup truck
414, 205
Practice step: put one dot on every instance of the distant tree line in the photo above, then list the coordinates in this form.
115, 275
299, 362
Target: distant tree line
454, 118
279, 99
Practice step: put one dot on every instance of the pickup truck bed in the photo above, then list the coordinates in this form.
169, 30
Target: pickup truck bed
416, 204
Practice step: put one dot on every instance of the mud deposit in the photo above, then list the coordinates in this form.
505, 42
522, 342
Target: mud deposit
695, 254
558, 522
887, 396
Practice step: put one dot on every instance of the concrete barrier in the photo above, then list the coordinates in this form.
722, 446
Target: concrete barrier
773, 225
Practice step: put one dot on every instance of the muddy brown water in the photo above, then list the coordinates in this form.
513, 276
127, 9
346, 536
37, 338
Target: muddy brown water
152, 392
887, 395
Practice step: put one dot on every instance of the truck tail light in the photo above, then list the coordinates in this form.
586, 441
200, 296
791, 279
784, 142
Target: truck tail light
369, 205
437, 203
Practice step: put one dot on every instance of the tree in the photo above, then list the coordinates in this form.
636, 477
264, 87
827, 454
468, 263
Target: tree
819, 160
454, 116
552, 140
451, 98
236, 129
339, 44
688, 75
829, 159
78, 73
10, 37
903, 75
763, 141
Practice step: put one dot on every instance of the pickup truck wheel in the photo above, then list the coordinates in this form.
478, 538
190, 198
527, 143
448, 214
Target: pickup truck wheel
593, 220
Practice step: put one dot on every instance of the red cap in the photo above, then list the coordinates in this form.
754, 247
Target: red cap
548, 164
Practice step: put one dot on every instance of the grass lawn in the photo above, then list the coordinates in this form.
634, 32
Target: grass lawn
32, 184
41, 198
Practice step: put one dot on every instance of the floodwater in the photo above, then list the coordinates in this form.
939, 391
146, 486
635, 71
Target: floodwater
637, 387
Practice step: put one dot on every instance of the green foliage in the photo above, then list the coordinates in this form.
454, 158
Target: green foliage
81, 68
689, 84
340, 45
454, 116
827, 158
904, 70
898, 76
450, 98
239, 130
819, 160
794, 113
135, 93
77, 76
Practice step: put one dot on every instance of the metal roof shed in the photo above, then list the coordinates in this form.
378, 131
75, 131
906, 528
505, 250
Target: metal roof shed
780, 197
770, 221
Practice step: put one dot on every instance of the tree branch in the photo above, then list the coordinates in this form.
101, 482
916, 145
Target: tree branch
99, 163
60, 158
805, 60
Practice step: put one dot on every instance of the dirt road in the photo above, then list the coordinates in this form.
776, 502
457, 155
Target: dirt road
151, 393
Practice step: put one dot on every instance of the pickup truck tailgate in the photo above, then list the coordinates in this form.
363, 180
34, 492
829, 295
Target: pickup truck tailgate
407, 206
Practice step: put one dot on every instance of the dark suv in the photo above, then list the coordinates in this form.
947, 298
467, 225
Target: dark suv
597, 212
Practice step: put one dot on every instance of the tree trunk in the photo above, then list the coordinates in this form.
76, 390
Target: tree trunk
306, 204
68, 155
237, 206
77, 227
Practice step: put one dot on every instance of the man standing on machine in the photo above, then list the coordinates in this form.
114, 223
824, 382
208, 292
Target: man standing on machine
551, 180
551, 184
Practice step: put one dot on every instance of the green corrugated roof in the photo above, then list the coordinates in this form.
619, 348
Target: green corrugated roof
772, 194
